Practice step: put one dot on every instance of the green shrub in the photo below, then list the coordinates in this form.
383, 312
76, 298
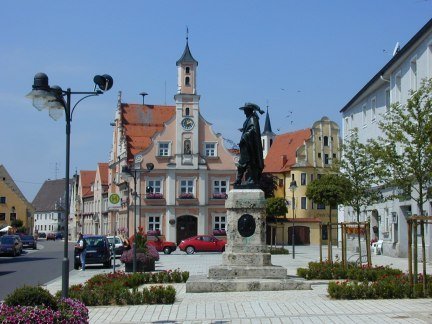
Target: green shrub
122, 289
278, 250
328, 271
386, 287
31, 296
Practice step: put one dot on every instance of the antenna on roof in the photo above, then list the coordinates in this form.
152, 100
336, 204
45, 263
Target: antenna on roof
187, 33
396, 49
143, 94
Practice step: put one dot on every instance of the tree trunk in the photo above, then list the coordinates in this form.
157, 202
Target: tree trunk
358, 236
330, 239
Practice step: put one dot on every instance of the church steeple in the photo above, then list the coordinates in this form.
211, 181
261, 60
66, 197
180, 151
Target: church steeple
187, 66
186, 56
267, 136
267, 125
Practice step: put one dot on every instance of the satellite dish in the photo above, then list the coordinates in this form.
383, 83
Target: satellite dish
396, 49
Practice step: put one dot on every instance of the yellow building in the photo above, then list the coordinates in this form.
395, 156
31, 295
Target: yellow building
13, 204
301, 156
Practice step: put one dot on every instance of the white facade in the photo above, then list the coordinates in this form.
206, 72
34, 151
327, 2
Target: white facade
391, 84
48, 222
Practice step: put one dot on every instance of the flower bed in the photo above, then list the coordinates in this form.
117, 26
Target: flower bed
386, 287
219, 232
122, 289
36, 305
186, 195
155, 195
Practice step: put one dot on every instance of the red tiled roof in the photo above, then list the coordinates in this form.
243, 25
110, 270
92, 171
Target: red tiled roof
282, 154
87, 178
103, 169
142, 122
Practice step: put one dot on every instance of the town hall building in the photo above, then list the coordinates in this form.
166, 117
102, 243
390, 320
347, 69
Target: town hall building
184, 194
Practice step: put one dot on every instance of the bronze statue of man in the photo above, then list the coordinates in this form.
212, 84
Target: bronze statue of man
251, 162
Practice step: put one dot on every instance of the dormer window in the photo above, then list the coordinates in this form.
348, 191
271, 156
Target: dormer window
187, 81
187, 69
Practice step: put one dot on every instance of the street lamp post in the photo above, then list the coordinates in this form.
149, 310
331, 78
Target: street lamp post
133, 173
52, 98
293, 187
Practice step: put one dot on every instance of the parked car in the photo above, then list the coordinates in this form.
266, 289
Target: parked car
41, 235
29, 241
59, 236
118, 244
202, 243
10, 244
98, 251
161, 245
51, 236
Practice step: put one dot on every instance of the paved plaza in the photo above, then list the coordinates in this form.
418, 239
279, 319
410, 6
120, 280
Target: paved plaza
306, 306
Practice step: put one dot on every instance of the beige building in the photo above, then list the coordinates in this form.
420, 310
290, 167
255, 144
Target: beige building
13, 204
302, 156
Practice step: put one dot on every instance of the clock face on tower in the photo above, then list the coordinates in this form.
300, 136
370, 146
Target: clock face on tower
187, 123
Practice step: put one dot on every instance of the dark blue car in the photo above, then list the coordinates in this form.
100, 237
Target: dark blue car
10, 244
98, 251
29, 241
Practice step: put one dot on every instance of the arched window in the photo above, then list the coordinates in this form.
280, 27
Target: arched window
326, 141
187, 81
187, 147
271, 142
187, 111
187, 69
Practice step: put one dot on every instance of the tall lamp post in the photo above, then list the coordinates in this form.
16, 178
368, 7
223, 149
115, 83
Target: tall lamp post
127, 171
293, 187
52, 98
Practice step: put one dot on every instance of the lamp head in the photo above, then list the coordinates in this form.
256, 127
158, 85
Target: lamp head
41, 92
149, 166
293, 185
104, 82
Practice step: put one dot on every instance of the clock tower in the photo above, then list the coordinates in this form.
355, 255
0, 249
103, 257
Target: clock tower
187, 112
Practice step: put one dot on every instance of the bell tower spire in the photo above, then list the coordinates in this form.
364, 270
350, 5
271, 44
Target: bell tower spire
187, 110
267, 136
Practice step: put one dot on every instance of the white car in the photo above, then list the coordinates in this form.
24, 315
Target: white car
118, 244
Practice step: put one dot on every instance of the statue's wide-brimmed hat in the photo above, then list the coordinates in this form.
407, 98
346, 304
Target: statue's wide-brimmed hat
249, 105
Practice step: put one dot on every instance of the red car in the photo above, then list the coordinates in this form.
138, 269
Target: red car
202, 243
161, 245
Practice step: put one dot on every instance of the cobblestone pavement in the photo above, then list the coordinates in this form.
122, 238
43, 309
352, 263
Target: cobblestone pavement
310, 306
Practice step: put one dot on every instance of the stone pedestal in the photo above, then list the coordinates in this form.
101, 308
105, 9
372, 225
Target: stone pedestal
246, 262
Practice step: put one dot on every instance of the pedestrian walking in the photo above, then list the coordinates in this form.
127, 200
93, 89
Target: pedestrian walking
82, 247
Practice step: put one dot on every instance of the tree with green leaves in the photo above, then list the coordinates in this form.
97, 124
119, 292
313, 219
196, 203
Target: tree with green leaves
356, 166
276, 206
268, 184
17, 223
331, 190
406, 147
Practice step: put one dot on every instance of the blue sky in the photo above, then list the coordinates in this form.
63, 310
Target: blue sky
308, 57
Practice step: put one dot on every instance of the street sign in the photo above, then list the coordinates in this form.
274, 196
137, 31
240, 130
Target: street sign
114, 201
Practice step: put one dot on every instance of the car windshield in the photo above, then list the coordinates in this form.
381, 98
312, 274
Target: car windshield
7, 240
95, 241
27, 237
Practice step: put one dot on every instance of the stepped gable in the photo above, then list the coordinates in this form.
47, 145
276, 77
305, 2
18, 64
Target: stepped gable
141, 123
282, 154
